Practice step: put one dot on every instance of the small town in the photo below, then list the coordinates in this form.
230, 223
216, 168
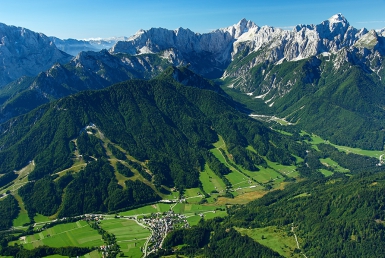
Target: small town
160, 224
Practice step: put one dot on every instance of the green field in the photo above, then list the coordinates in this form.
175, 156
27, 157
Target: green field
370, 153
193, 220
274, 238
336, 167
210, 181
132, 249
326, 172
22, 218
41, 218
192, 192
238, 180
217, 153
130, 236
71, 234
265, 175
142, 210
286, 170
220, 142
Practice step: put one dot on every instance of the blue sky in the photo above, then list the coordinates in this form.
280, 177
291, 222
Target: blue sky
101, 18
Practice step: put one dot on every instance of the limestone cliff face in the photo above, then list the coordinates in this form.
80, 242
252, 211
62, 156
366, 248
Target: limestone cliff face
24, 52
304, 41
207, 53
218, 48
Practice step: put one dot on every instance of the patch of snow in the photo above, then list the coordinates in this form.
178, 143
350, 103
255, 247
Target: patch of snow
280, 61
262, 96
145, 50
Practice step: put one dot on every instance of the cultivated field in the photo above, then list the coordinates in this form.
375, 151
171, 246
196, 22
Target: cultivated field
210, 181
70, 234
130, 236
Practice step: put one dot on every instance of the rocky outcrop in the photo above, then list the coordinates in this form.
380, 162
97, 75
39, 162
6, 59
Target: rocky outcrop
304, 41
220, 47
24, 52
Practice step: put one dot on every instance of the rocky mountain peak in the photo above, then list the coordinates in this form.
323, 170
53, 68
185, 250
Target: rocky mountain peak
25, 52
382, 32
238, 29
338, 18
369, 40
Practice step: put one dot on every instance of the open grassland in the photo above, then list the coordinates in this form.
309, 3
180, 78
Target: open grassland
194, 219
93, 254
217, 153
274, 238
20, 181
238, 180
132, 249
334, 165
241, 198
41, 218
265, 175
210, 181
326, 172
192, 192
172, 196
290, 171
125, 229
370, 153
71, 234
220, 142
140, 211
22, 218
77, 167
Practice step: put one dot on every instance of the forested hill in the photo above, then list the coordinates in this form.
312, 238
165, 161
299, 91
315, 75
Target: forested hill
334, 217
161, 123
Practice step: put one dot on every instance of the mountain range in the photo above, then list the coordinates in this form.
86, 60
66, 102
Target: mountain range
292, 73
26, 53
75, 46
100, 126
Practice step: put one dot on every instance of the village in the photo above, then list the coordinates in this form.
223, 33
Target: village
160, 224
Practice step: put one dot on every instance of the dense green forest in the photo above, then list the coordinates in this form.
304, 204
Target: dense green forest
159, 120
338, 216
9, 209
212, 239
138, 138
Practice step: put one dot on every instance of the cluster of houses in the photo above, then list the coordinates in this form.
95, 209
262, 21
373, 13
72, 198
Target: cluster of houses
92, 217
160, 224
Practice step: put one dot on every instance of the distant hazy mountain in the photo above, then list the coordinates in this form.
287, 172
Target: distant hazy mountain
25, 53
75, 46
